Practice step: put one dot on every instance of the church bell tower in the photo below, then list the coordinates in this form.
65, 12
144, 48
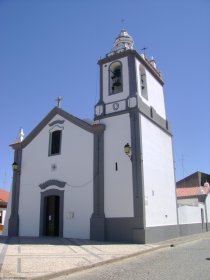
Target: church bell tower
139, 181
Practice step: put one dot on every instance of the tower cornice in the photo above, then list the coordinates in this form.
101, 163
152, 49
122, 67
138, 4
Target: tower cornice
134, 53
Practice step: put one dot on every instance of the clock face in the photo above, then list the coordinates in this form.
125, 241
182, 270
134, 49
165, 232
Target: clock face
115, 106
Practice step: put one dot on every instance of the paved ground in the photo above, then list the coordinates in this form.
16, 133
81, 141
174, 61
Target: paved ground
190, 261
45, 258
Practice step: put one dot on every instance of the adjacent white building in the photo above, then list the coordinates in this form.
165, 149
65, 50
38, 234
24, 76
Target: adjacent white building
109, 180
193, 197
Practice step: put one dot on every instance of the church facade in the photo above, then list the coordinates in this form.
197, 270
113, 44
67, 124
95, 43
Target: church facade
112, 179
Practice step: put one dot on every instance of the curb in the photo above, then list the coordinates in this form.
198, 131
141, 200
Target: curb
168, 243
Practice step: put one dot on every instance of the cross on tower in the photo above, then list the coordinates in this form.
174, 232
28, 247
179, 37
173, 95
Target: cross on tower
123, 22
59, 101
144, 50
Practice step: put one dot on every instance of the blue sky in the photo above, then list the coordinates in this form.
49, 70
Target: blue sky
51, 47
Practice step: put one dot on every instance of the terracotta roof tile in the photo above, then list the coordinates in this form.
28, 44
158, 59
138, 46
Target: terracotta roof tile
193, 191
4, 195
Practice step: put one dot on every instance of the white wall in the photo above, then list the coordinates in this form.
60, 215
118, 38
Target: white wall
8, 213
159, 182
155, 92
122, 95
191, 214
3, 215
208, 206
118, 188
74, 166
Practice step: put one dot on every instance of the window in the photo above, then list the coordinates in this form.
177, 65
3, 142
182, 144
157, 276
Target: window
143, 82
115, 74
1, 216
55, 142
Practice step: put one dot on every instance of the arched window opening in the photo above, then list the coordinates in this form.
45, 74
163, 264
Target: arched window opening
116, 83
143, 82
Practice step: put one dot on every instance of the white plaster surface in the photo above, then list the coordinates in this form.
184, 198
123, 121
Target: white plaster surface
3, 215
159, 182
208, 206
7, 215
72, 166
154, 89
191, 214
118, 188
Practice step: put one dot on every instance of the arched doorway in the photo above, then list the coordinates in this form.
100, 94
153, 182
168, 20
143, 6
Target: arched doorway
51, 220
51, 213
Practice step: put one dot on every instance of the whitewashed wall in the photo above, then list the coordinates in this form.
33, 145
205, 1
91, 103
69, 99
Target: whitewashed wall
3, 215
208, 207
159, 182
155, 92
74, 166
191, 214
8, 213
118, 189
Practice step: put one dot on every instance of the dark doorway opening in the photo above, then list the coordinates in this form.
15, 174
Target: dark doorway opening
52, 205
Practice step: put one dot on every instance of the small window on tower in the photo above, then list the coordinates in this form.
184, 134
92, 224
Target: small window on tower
115, 74
55, 142
143, 82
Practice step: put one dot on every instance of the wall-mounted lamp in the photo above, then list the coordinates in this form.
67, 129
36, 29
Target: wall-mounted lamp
15, 167
128, 150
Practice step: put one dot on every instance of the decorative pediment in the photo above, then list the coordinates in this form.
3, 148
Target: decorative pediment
48, 183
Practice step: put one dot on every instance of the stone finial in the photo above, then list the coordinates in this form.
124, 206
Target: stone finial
123, 42
20, 135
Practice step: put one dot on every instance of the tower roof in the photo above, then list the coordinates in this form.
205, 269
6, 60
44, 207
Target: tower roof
123, 42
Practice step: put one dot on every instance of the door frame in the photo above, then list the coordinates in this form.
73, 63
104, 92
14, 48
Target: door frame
42, 223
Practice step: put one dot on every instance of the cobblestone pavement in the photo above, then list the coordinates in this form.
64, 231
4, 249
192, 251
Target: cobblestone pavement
189, 261
45, 258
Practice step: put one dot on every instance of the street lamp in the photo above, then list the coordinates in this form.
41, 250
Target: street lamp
128, 150
15, 166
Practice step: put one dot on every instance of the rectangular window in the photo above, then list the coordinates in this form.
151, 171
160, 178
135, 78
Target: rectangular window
143, 82
55, 142
1, 216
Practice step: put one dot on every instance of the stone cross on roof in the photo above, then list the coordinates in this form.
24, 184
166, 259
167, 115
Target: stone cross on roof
59, 99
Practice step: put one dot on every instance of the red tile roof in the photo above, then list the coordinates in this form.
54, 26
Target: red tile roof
193, 191
4, 195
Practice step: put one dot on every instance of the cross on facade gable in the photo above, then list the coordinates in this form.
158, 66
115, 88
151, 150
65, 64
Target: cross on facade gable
59, 99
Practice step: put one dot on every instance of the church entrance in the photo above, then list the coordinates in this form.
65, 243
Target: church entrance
52, 206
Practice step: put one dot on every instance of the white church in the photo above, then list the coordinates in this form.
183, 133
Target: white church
112, 179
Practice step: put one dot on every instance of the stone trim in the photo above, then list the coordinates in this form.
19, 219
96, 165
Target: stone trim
134, 53
160, 233
132, 75
48, 183
50, 143
80, 123
13, 223
188, 229
97, 220
146, 111
152, 115
137, 168
56, 122
128, 230
109, 77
